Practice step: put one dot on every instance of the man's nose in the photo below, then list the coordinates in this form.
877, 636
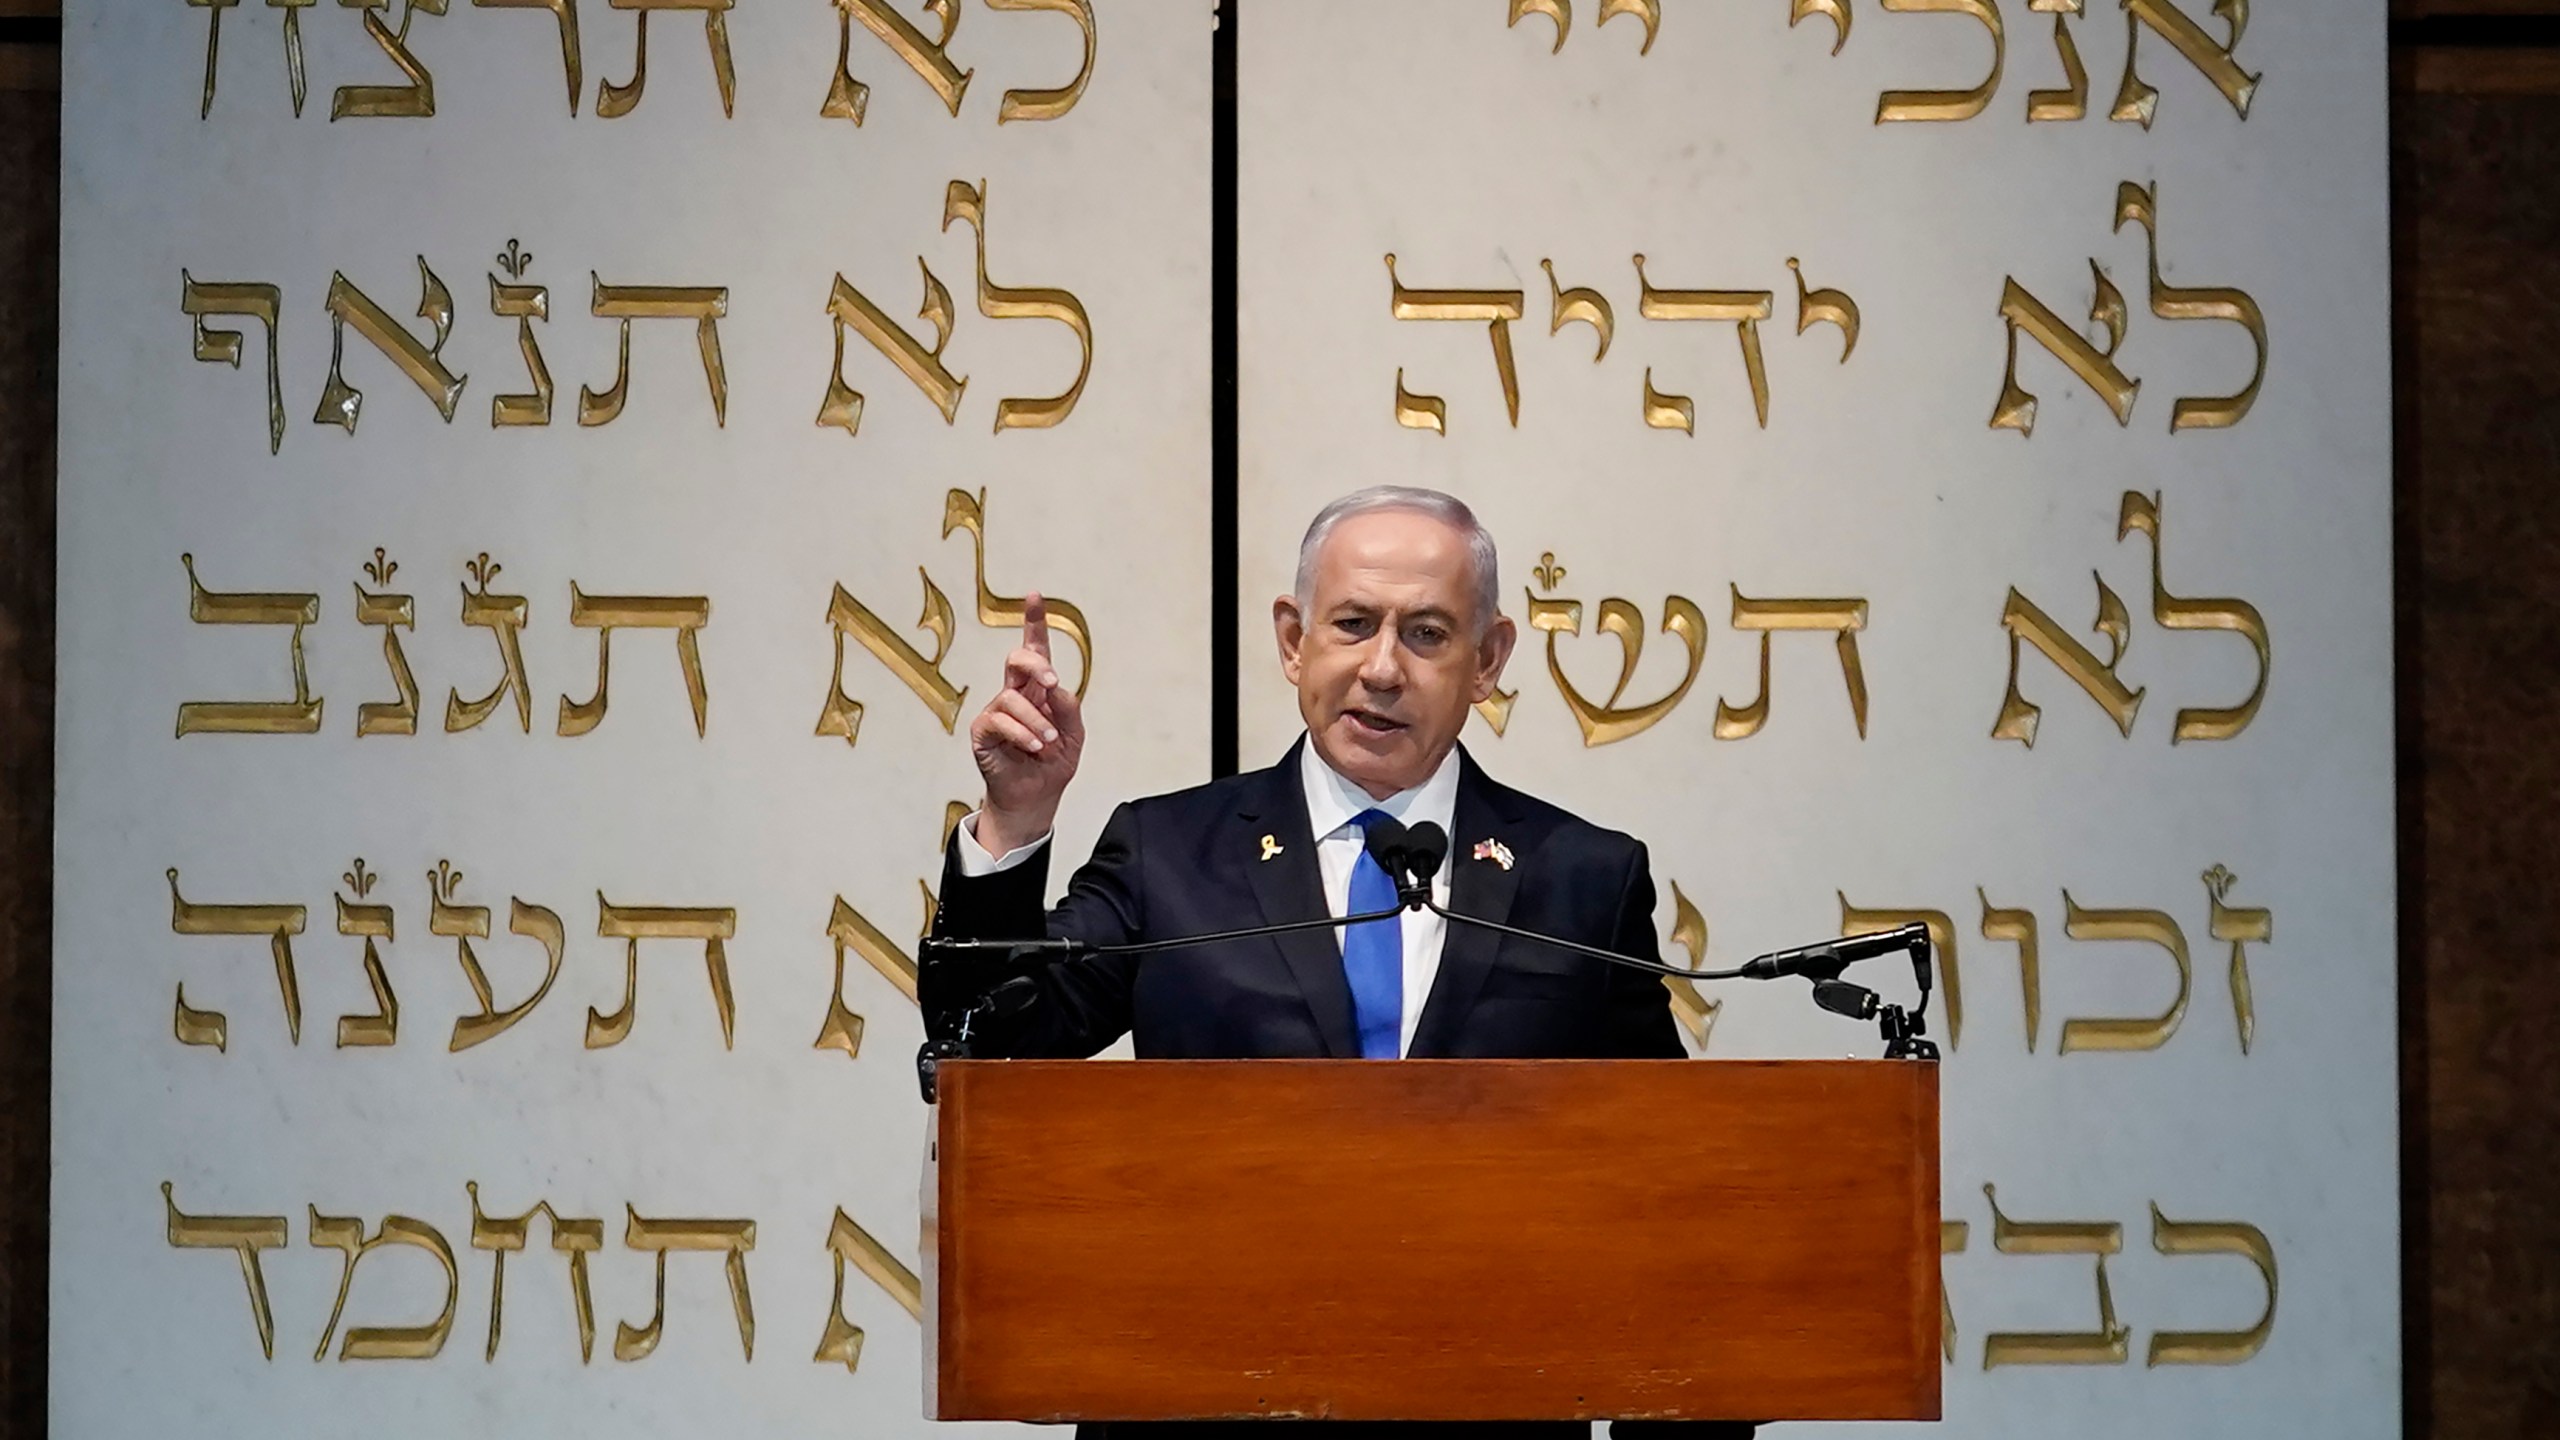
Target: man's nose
1382, 661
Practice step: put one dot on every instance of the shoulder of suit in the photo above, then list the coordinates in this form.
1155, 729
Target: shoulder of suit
1552, 823
1216, 796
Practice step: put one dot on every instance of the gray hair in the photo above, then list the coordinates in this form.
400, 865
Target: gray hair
1449, 510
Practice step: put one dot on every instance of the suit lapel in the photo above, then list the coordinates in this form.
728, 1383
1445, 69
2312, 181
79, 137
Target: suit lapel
1290, 886
1481, 888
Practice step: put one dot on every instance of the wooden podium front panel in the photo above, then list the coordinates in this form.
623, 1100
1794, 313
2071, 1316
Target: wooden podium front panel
1438, 1240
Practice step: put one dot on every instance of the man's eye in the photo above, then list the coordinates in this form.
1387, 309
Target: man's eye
1352, 625
1428, 634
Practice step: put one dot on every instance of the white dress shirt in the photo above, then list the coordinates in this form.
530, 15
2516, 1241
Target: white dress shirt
1333, 804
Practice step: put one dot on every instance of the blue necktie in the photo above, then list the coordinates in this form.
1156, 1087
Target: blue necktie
1373, 954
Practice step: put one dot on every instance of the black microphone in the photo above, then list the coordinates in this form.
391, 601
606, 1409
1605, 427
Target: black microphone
1391, 845
1824, 959
1426, 846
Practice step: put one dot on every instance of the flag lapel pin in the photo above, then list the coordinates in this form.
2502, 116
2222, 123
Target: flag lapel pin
1495, 851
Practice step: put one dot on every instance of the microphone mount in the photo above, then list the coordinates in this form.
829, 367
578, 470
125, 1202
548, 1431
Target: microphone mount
1904, 1030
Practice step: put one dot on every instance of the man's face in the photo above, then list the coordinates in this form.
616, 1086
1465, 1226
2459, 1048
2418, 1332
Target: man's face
1386, 654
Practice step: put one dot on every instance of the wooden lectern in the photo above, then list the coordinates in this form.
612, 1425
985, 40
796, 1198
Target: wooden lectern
1434, 1240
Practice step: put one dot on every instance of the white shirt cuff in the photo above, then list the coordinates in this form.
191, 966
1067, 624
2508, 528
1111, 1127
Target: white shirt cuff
974, 859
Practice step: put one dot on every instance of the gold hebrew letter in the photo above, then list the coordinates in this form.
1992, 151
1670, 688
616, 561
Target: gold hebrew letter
2016, 409
345, 1234
2141, 204
684, 614
1560, 11
1844, 617
1649, 11
963, 511
2172, 612
1021, 302
388, 717
463, 924
2071, 102
847, 97
1746, 308
1606, 723
1825, 306
524, 304
247, 1234
2137, 101
615, 101
841, 1341
850, 307
2213, 1237
1942, 939
848, 928
1696, 1013
2023, 620
702, 304
297, 716
503, 616
566, 13
1668, 412
1944, 104
1050, 104
1837, 11
1952, 1235
341, 403
2239, 925
1583, 304
253, 300
573, 1236
842, 714
2019, 928
1498, 308
373, 922
292, 47
737, 1237
279, 923
712, 925
417, 99
1420, 412
2140, 1032
2102, 1238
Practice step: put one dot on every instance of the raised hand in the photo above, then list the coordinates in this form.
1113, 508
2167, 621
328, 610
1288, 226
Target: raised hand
1026, 741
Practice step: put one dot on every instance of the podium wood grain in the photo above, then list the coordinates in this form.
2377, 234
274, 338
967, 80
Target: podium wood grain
1437, 1240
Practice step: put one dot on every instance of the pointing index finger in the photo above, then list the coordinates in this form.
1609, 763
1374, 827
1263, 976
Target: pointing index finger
1035, 624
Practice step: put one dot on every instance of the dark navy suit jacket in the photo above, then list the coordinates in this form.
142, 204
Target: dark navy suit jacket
1193, 862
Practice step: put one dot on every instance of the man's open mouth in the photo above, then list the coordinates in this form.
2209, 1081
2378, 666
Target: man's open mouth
1372, 723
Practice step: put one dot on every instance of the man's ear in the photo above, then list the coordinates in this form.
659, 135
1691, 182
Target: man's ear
1492, 653
1289, 627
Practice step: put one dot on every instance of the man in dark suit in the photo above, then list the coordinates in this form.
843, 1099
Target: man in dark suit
1393, 632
